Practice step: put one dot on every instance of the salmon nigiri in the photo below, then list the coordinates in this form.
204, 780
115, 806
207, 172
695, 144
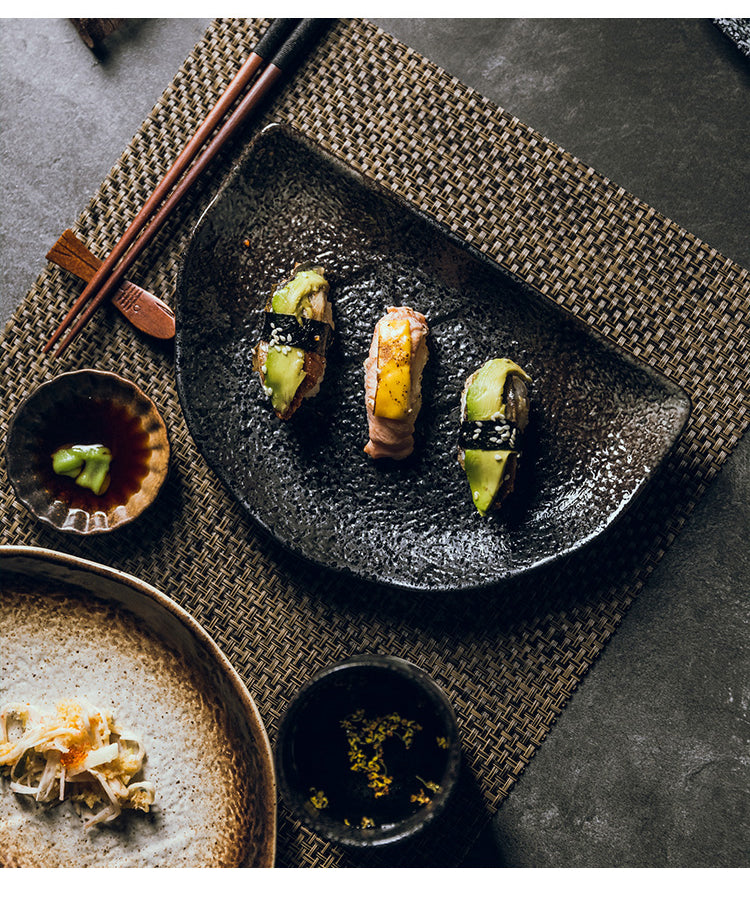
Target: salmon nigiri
393, 382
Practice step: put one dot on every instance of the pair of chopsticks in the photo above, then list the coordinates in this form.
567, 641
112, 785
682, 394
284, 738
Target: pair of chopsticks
285, 42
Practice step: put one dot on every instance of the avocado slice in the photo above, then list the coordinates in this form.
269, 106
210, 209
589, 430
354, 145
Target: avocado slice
484, 399
292, 297
484, 395
284, 374
486, 473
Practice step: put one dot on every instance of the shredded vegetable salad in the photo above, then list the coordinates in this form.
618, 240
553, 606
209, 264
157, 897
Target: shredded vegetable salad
75, 752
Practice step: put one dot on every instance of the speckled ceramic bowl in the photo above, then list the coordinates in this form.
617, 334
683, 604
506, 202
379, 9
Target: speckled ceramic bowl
75, 628
354, 791
87, 407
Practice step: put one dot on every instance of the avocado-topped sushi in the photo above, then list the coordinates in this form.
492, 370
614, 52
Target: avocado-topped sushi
290, 357
494, 414
393, 382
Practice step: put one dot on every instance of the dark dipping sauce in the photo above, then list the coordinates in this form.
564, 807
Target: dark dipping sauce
324, 766
90, 422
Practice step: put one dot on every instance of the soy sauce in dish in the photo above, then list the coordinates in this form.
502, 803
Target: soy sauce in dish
107, 423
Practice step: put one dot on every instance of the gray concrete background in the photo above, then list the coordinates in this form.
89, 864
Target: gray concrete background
650, 763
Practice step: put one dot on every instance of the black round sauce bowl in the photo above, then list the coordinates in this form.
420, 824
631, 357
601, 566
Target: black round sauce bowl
368, 752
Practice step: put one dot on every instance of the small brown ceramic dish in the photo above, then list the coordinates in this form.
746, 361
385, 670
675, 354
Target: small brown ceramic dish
87, 407
368, 752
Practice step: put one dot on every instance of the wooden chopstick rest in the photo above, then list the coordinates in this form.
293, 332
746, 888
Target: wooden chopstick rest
144, 310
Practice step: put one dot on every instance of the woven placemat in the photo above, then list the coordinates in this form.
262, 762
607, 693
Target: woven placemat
509, 658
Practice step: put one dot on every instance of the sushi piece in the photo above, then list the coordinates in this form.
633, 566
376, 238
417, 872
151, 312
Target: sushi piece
393, 382
290, 357
494, 414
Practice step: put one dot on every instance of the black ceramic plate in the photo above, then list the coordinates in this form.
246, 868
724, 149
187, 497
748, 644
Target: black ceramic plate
600, 425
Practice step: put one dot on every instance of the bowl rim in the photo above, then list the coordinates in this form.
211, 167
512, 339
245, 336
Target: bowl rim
106, 525
334, 830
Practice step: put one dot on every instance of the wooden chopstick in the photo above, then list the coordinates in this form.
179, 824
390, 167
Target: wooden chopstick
265, 48
140, 233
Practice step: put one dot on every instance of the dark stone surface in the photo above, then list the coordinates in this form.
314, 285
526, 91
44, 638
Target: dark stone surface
650, 763
648, 766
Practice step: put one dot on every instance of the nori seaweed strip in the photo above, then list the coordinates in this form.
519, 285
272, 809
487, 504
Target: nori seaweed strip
285, 329
489, 435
